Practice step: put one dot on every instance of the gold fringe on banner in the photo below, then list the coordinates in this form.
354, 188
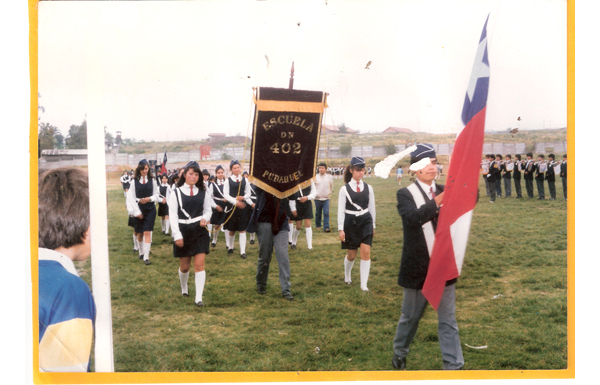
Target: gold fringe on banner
287, 106
274, 191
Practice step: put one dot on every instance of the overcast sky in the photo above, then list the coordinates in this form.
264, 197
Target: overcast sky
181, 70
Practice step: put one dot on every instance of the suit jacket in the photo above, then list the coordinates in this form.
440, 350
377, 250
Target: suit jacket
261, 200
550, 175
494, 172
415, 256
563, 169
528, 174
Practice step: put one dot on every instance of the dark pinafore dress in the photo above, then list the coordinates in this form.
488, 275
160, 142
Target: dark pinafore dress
304, 210
357, 228
148, 209
217, 217
240, 217
126, 184
163, 208
196, 239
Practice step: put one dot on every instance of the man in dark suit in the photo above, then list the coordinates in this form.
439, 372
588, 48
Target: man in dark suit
269, 220
528, 175
563, 175
494, 177
419, 205
540, 169
517, 175
551, 177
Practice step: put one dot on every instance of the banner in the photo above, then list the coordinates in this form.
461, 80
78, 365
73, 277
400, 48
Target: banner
205, 152
285, 139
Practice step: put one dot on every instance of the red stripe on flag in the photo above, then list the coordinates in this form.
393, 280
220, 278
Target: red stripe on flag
460, 197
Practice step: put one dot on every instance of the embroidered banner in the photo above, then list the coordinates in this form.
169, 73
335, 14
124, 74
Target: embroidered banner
285, 139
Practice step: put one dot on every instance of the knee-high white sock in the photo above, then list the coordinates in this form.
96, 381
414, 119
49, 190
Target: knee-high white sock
200, 279
141, 248
167, 225
365, 267
146, 251
308, 237
295, 236
183, 278
348, 269
162, 225
135, 243
242, 243
215, 236
229, 240
151, 236
209, 228
291, 233
252, 236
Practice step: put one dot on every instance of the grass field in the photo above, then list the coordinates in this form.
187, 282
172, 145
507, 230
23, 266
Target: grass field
511, 297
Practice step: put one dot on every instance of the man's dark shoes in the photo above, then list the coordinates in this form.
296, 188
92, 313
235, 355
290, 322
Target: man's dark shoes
261, 290
243, 256
288, 297
399, 363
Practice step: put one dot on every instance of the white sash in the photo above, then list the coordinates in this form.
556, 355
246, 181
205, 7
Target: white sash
427, 227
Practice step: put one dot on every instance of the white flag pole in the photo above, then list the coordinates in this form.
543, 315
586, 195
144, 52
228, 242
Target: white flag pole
103, 356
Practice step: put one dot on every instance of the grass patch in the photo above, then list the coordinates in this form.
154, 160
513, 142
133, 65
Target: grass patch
511, 296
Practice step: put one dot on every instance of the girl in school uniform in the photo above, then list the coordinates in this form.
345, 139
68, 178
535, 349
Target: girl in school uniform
304, 198
189, 207
219, 203
125, 182
249, 208
163, 207
141, 204
356, 220
237, 194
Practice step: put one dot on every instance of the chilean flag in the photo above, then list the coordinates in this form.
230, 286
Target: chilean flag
163, 168
462, 184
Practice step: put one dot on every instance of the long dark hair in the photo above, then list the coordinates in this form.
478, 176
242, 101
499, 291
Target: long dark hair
139, 168
199, 184
348, 172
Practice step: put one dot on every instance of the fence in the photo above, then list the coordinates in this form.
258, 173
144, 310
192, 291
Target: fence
218, 155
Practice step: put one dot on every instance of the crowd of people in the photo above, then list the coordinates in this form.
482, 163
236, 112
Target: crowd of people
497, 173
195, 206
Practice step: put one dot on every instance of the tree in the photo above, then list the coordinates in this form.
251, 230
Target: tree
346, 148
49, 137
342, 127
108, 139
77, 138
390, 148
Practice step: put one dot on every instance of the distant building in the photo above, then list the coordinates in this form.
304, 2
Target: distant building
398, 130
216, 137
327, 129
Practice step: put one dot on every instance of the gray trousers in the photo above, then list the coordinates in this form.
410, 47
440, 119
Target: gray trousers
266, 242
413, 306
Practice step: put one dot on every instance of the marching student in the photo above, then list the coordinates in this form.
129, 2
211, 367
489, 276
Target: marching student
539, 170
499, 176
356, 220
563, 175
163, 207
190, 208
125, 182
324, 185
517, 175
485, 170
419, 206
493, 176
507, 169
206, 180
528, 174
249, 208
304, 198
141, 199
219, 203
238, 220
551, 177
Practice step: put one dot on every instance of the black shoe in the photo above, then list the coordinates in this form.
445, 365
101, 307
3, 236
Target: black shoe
252, 241
399, 363
199, 304
293, 247
243, 256
288, 297
327, 230
213, 244
147, 262
142, 256
185, 294
261, 290
289, 243
229, 251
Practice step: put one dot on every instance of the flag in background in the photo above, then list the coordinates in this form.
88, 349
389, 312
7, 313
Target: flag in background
163, 168
462, 183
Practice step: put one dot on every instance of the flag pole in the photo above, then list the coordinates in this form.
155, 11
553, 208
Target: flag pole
103, 356
291, 84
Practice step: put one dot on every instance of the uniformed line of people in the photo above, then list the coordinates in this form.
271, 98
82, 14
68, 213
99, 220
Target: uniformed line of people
498, 172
